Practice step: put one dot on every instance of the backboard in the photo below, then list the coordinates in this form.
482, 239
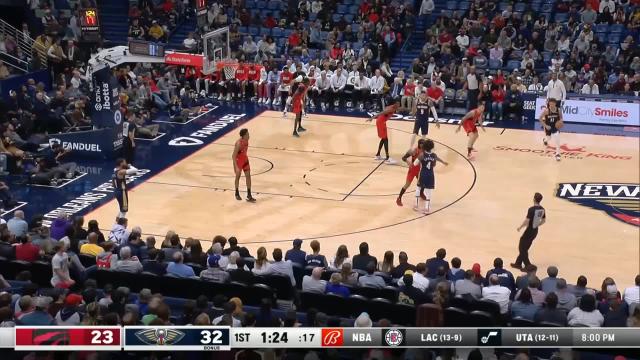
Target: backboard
216, 49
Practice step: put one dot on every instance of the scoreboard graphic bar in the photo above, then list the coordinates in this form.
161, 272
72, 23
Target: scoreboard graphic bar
220, 338
59, 338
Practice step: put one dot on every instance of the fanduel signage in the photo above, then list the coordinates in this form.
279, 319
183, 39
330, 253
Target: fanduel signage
596, 112
101, 144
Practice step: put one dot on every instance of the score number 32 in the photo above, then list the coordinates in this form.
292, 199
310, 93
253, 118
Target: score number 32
101, 337
211, 337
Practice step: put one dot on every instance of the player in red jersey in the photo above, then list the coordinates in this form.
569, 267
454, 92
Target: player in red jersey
286, 80
253, 76
240, 159
469, 122
241, 79
381, 125
414, 170
297, 105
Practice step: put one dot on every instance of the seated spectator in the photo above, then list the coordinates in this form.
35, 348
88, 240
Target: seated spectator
178, 268
127, 262
295, 254
35, 312
233, 262
118, 234
107, 259
371, 280
632, 293
523, 280
549, 283
136, 31
436, 262
156, 32
455, 273
420, 279
566, 300
468, 286
550, 313
190, 43
342, 256
213, 272
173, 246
534, 287
280, 267
505, 276
69, 314
334, 286
242, 273
586, 314
17, 225
387, 262
349, 277
261, 265
155, 264
233, 246
403, 265
408, 294
314, 283
497, 293
228, 318
315, 259
497, 101
524, 307
26, 250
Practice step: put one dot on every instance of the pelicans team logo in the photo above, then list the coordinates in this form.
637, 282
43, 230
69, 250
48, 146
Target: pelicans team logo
620, 201
159, 336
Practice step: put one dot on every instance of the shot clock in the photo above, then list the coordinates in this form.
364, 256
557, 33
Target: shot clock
89, 24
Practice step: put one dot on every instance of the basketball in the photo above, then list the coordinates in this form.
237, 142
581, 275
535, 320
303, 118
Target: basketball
559, 124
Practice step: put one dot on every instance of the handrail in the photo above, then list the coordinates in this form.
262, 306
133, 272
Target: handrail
5, 54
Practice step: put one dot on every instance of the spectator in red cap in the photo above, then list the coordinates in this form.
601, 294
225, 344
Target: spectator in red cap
69, 315
478, 279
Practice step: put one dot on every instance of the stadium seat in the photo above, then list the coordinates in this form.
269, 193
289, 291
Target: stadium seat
561, 17
261, 4
451, 5
41, 273
354, 304
522, 322
512, 65
616, 28
254, 31
449, 94
265, 31
520, 7
380, 308
257, 292
349, 18
429, 315
390, 293
462, 302
336, 17
503, 6
231, 289
342, 9
463, 5
298, 274
385, 276
334, 304
454, 317
243, 30
280, 285
272, 5
249, 261
250, 4
276, 32
353, 10
17, 266
492, 307
461, 97
549, 324
404, 314
87, 260
614, 38
446, 13
310, 300
481, 319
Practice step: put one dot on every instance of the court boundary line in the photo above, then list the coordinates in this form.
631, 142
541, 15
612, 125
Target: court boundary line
363, 180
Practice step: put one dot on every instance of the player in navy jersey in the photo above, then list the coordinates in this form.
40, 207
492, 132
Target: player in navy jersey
427, 180
422, 108
551, 119
119, 182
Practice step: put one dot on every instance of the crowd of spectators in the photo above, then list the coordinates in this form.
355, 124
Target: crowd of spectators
156, 20
444, 282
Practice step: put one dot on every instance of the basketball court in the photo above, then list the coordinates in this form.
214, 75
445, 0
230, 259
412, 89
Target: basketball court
326, 185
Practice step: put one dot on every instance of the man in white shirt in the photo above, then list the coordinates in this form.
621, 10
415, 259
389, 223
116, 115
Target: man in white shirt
632, 294
282, 268
536, 86
338, 82
420, 280
607, 4
361, 90
376, 84
590, 88
189, 42
313, 283
250, 49
497, 293
320, 89
462, 40
556, 90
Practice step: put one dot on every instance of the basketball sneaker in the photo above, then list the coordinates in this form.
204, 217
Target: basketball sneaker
295, 133
544, 141
284, 114
378, 157
390, 161
399, 201
251, 199
220, 97
267, 102
557, 157
260, 101
228, 97
301, 129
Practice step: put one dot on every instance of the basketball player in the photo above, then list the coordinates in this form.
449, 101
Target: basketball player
119, 182
253, 76
128, 136
421, 109
240, 159
536, 217
286, 80
381, 125
427, 181
242, 75
297, 104
470, 122
414, 170
551, 119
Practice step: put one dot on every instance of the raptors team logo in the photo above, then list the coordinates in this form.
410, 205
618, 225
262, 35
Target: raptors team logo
620, 201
